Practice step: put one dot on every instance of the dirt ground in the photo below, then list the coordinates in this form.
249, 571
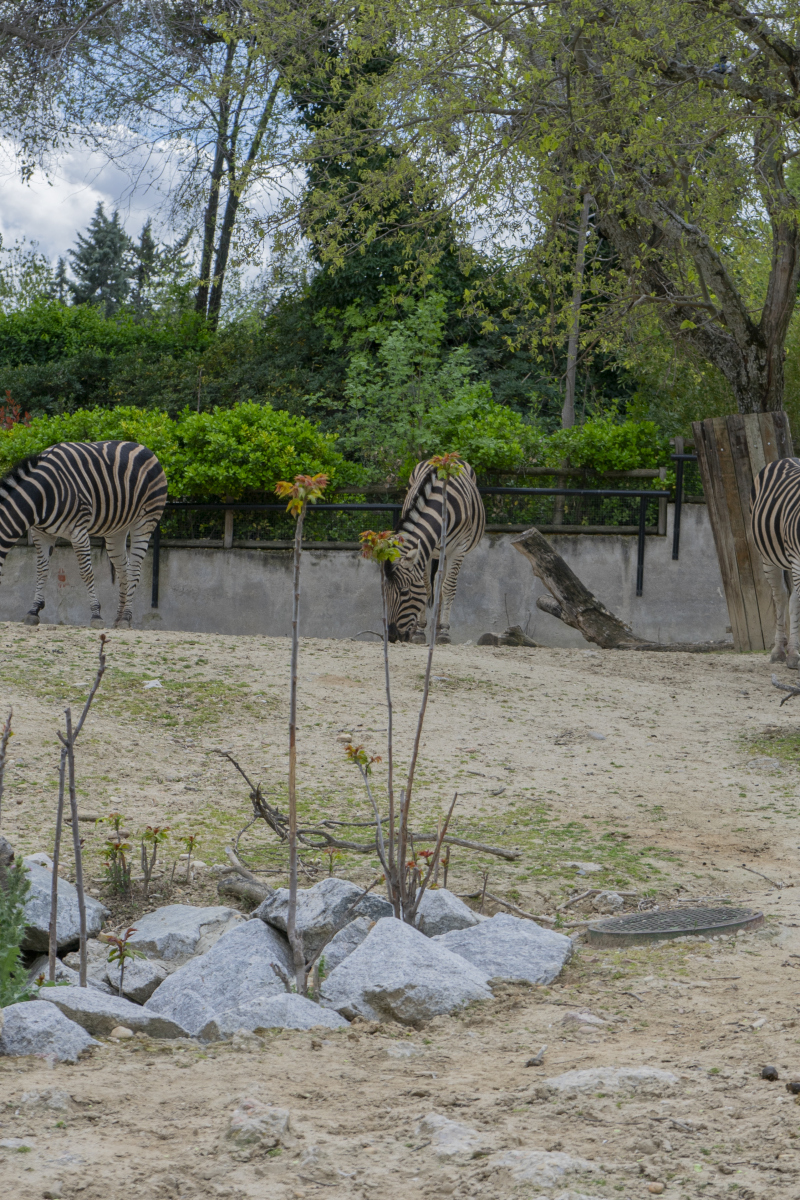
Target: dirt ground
673, 778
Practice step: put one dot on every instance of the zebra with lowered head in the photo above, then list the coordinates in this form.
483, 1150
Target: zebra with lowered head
409, 580
79, 489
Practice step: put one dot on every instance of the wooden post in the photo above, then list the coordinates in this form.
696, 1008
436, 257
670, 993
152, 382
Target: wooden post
730, 453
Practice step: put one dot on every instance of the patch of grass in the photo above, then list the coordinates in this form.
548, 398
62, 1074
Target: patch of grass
774, 743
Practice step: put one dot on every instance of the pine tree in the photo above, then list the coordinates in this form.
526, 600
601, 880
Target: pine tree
157, 267
60, 282
103, 263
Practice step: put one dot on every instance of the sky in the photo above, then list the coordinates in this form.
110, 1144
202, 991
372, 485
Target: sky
53, 208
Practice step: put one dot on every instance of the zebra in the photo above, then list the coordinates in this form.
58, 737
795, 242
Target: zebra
77, 489
775, 523
409, 579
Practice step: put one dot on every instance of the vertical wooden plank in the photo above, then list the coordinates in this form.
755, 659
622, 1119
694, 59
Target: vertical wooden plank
766, 423
707, 460
783, 435
738, 533
740, 460
738, 523
755, 443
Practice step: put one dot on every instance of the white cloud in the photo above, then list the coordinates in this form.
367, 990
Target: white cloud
54, 207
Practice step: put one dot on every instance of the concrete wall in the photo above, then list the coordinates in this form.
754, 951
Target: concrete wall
243, 591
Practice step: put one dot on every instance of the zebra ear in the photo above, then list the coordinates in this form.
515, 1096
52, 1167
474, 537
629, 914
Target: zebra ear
411, 556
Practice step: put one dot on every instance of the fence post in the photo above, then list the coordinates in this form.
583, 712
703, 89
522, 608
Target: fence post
156, 565
730, 453
640, 546
227, 536
662, 505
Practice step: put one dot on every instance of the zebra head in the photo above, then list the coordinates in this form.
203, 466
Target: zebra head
405, 592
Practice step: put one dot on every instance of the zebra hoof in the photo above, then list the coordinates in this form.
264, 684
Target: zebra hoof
793, 661
97, 623
123, 623
443, 639
30, 619
778, 656
418, 639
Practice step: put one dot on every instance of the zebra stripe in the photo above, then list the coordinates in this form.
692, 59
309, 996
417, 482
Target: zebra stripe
775, 523
409, 580
76, 490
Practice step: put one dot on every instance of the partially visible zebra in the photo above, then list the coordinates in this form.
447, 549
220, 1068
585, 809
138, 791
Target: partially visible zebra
410, 579
775, 520
74, 490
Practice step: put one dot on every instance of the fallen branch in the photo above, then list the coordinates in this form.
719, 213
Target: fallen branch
573, 603
761, 874
243, 889
506, 904
785, 687
317, 837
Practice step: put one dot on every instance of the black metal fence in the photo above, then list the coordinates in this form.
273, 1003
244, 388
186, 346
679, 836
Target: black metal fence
565, 510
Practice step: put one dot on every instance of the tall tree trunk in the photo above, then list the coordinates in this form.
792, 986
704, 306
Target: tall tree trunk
236, 189
568, 411
217, 169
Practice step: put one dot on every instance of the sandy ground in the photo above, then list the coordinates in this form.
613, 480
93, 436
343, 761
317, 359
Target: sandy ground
669, 773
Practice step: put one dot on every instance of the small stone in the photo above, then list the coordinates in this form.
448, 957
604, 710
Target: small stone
55, 1098
770, 1073
584, 868
793, 1087
541, 1168
655, 1189
641, 1080
608, 902
583, 1018
255, 1124
451, 1139
121, 1032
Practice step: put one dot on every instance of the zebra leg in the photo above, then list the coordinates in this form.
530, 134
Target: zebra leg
140, 538
777, 582
44, 544
83, 552
792, 655
117, 548
418, 636
448, 596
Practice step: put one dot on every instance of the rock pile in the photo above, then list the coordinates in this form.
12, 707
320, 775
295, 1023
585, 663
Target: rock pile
210, 973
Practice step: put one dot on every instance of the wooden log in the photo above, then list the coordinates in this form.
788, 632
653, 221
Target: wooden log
573, 603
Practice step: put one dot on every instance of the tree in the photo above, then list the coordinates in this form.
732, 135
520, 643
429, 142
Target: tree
103, 263
522, 108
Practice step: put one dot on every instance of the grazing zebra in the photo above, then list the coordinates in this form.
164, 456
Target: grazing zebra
775, 518
74, 490
410, 579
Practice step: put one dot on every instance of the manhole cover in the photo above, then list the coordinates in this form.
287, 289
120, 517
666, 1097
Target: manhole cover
682, 922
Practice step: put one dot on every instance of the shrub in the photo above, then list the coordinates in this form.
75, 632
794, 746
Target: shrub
607, 444
227, 452
14, 888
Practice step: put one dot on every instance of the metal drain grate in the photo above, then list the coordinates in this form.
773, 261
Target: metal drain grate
653, 926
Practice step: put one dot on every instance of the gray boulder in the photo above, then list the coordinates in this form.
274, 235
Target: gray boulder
37, 909
65, 974
291, 1011
322, 910
216, 994
142, 977
397, 974
345, 942
96, 962
38, 1028
440, 912
99, 1014
511, 948
178, 932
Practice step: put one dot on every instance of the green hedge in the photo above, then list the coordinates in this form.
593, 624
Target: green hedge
230, 453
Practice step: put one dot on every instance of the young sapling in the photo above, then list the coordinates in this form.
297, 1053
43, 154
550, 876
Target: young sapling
152, 837
305, 490
121, 952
